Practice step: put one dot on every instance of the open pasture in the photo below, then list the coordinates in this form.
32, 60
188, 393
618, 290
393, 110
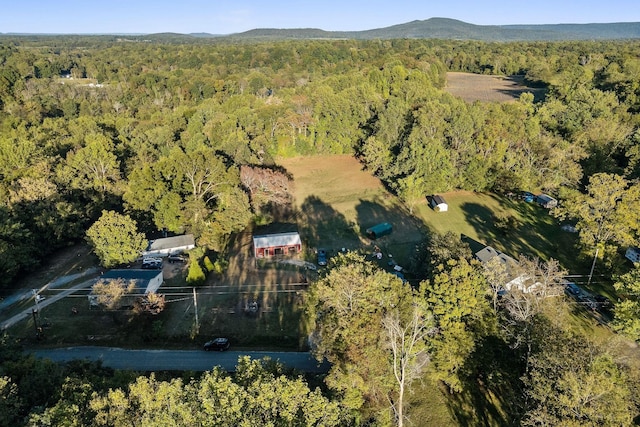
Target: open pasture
479, 87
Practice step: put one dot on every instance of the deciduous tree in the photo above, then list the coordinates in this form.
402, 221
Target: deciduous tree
370, 326
574, 383
115, 239
405, 334
609, 212
627, 310
94, 166
457, 298
109, 293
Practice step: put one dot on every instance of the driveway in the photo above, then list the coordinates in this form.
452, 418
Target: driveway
176, 360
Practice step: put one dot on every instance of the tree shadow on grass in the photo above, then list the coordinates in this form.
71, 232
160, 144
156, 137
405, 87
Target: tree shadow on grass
323, 226
540, 234
407, 231
481, 219
492, 387
522, 228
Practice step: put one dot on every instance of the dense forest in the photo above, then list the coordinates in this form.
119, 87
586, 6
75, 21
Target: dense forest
167, 135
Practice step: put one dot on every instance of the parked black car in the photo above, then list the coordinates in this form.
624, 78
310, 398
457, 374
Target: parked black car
217, 344
177, 258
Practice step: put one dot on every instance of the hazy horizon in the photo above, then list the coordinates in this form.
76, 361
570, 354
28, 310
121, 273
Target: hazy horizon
138, 17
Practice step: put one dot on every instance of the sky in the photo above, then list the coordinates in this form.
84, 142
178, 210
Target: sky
227, 17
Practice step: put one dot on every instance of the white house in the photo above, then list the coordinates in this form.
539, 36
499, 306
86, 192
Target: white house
438, 203
168, 245
513, 278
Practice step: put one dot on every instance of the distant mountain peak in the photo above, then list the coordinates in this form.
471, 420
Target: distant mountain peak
447, 28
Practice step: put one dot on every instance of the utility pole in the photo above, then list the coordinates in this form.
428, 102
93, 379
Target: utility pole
593, 266
195, 305
34, 313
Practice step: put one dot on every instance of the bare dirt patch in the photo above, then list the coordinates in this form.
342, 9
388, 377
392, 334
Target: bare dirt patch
478, 87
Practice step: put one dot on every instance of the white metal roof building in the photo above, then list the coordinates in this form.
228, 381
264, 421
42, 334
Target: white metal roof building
277, 244
168, 245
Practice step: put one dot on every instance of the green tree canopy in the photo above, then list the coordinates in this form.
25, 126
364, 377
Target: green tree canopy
608, 213
457, 297
572, 382
254, 395
627, 310
115, 239
372, 328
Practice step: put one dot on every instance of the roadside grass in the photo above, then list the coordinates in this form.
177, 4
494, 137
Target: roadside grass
276, 324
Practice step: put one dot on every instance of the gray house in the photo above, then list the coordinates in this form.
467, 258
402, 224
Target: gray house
546, 201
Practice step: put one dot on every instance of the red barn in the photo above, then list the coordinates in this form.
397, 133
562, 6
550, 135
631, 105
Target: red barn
276, 244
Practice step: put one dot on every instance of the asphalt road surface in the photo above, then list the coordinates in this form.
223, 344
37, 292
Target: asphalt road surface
176, 360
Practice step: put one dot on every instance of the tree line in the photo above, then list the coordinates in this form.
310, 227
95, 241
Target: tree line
98, 134
160, 131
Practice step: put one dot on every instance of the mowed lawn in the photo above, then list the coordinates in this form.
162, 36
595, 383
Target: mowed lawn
533, 231
337, 199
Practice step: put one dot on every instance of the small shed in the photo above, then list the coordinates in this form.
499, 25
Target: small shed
546, 201
438, 203
379, 230
269, 245
168, 245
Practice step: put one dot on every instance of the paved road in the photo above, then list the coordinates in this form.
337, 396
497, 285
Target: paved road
177, 360
26, 313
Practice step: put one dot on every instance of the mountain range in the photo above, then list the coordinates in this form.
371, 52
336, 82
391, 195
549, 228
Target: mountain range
444, 28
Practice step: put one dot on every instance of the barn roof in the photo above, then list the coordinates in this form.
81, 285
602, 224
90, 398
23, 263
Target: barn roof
278, 239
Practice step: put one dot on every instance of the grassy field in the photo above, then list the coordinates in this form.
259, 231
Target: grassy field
338, 201
531, 230
478, 87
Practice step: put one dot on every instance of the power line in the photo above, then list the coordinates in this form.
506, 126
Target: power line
178, 294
